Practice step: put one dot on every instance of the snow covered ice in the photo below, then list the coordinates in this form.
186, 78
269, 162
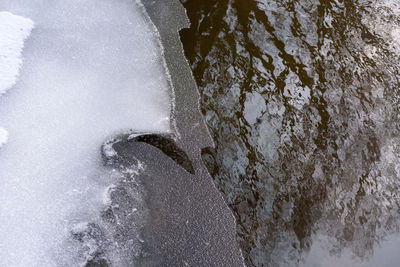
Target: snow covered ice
13, 31
90, 69
3, 137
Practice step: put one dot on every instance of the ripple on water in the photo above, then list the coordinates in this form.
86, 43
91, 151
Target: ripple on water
302, 100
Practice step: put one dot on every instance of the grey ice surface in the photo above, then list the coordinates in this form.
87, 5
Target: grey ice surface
186, 221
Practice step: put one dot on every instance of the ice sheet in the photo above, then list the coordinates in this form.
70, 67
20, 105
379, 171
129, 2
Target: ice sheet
91, 69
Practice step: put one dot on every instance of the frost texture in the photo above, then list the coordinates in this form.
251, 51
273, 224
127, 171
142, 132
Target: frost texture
91, 69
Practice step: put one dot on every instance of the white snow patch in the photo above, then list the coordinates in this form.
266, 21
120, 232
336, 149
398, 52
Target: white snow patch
107, 194
108, 149
13, 32
3, 137
92, 68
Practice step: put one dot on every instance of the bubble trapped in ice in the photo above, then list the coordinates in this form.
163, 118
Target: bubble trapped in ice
90, 69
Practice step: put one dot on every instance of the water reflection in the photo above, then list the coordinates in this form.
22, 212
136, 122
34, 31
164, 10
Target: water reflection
302, 100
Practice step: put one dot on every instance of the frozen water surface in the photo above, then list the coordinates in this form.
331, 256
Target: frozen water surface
91, 69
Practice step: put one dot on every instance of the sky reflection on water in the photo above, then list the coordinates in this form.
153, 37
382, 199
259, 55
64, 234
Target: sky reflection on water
302, 100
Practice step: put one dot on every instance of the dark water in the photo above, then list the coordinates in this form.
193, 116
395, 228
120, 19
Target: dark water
302, 100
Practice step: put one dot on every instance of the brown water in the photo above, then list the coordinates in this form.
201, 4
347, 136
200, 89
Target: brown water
302, 100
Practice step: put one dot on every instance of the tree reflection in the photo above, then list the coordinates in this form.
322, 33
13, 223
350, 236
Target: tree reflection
302, 100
